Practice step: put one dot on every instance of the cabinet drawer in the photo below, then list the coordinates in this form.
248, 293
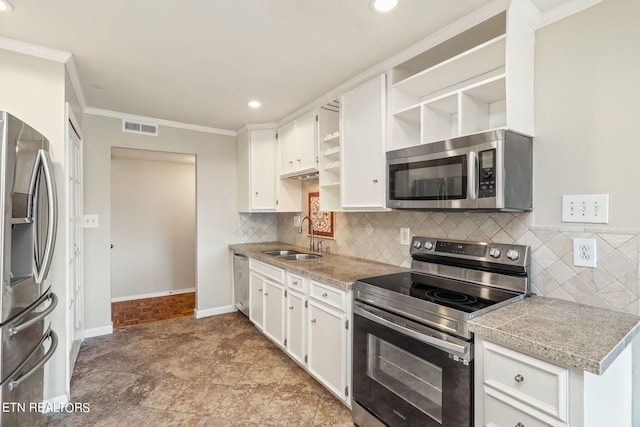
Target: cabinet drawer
502, 411
267, 270
328, 295
539, 384
296, 282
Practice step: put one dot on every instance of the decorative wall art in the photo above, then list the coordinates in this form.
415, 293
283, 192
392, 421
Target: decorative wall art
322, 221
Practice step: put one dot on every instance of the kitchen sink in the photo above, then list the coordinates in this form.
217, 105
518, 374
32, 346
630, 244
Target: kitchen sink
280, 252
299, 256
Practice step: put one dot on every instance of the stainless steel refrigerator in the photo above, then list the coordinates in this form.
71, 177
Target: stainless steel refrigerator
27, 240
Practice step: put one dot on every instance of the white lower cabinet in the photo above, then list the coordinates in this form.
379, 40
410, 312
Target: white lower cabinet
513, 389
267, 299
328, 338
296, 318
274, 312
310, 320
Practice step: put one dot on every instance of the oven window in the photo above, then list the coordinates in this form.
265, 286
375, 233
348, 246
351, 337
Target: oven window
440, 179
415, 380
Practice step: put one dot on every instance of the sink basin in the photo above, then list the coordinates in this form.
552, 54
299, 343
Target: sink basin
280, 252
299, 256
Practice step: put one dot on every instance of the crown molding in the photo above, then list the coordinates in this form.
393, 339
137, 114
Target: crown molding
564, 10
160, 122
34, 50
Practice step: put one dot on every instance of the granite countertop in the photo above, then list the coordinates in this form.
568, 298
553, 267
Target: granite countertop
339, 271
568, 333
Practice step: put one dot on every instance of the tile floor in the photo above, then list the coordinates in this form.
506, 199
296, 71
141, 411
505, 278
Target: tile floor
217, 371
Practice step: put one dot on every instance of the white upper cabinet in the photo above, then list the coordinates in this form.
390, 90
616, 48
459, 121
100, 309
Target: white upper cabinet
299, 146
478, 80
259, 187
330, 154
362, 118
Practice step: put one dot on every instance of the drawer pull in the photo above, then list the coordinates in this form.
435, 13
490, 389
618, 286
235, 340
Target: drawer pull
519, 425
295, 282
519, 378
266, 294
291, 308
313, 321
259, 290
324, 295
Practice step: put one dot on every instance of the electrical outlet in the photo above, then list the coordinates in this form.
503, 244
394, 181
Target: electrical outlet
405, 236
90, 221
296, 220
584, 253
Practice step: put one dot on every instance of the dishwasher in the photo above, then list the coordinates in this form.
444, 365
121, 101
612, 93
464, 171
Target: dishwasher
241, 283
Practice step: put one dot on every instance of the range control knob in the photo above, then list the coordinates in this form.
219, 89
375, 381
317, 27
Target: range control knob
428, 245
495, 252
513, 255
417, 244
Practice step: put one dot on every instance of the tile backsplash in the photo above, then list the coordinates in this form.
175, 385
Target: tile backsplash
614, 284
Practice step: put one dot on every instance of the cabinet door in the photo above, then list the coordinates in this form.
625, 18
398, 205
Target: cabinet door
256, 286
296, 330
263, 170
274, 304
287, 146
363, 129
327, 341
306, 142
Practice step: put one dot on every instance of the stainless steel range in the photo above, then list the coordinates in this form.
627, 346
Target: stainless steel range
412, 350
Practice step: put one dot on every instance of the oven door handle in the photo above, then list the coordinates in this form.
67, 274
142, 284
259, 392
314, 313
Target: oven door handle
427, 339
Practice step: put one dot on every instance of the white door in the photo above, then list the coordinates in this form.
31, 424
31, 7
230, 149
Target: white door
263, 169
74, 306
327, 340
274, 303
256, 302
363, 129
296, 333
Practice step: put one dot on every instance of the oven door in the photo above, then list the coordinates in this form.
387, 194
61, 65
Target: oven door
406, 374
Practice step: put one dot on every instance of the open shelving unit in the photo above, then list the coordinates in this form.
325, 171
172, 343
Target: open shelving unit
330, 156
479, 80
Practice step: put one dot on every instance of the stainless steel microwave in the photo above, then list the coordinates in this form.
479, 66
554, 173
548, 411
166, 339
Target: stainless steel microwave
489, 171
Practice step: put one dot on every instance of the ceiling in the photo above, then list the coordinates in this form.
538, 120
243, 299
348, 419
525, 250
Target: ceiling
199, 61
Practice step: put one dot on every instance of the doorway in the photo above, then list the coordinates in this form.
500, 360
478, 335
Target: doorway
153, 235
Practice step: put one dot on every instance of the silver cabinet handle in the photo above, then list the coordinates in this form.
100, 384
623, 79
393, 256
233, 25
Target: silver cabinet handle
295, 282
519, 378
519, 425
259, 290
375, 181
291, 308
313, 321
324, 295
266, 294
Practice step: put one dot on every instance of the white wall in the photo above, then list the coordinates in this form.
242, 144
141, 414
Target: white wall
586, 111
153, 226
33, 89
216, 211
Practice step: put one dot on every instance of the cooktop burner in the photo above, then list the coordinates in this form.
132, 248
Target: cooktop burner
441, 291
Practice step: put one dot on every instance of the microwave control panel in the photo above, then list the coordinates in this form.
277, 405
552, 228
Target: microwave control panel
487, 178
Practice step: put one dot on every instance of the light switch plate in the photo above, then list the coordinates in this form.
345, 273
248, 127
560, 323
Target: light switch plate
590, 208
296, 220
90, 221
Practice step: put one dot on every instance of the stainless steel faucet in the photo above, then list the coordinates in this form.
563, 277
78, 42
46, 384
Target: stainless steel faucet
311, 244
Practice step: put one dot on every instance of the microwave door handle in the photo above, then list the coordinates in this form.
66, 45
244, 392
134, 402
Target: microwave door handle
472, 174
52, 216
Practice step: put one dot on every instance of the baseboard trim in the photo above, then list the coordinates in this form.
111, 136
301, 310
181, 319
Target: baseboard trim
199, 314
54, 404
154, 295
96, 332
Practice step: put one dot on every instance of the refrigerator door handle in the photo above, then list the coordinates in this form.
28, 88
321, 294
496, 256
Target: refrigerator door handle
52, 206
14, 330
13, 384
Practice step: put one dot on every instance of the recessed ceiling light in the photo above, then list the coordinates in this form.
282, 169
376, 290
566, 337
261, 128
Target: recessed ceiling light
383, 6
254, 104
5, 6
